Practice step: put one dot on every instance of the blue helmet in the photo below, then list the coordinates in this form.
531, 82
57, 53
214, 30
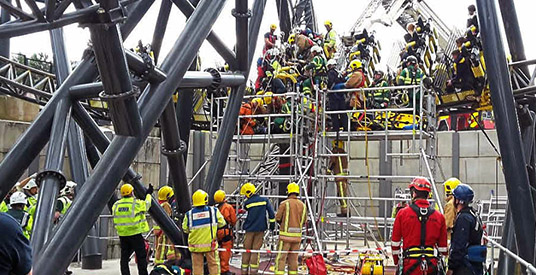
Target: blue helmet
464, 193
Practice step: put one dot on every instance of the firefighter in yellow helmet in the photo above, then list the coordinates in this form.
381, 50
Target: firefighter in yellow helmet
330, 40
201, 223
338, 166
255, 225
164, 247
130, 223
450, 209
291, 216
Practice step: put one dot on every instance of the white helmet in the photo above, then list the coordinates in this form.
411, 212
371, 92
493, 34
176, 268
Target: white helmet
30, 184
332, 62
17, 198
68, 189
316, 49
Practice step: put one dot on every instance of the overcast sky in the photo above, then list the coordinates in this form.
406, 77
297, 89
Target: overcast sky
342, 13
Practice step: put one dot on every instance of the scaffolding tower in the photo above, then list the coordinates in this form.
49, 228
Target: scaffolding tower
271, 159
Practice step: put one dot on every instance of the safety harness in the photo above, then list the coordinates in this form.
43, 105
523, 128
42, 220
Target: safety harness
422, 253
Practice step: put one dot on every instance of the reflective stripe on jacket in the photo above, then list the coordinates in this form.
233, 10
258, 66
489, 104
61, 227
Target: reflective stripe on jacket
291, 216
129, 215
330, 38
201, 224
257, 208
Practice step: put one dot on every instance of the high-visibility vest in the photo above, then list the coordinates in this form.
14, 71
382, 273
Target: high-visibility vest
66, 204
3, 206
330, 38
129, 216
201, 224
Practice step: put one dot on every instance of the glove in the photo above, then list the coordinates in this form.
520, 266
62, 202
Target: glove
272, 226
150, 190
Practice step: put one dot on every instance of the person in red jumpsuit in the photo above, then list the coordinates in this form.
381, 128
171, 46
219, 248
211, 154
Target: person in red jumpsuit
422, 233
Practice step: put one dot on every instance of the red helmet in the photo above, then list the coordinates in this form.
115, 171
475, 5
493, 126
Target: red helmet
421, 184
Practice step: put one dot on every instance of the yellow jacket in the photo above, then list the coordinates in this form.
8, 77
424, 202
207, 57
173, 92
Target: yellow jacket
450, 215
291, 216
129, 215
201, 224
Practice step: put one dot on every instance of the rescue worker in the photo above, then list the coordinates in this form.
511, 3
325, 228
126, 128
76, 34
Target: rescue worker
421, 230
17, 202
338, 166
356, 80
412, 74
380, 98
257, 208
303, 45
225, 234
30, 189
463, 78
317, 69
269, 38
330, 40
249, 125
412, 41
291, 216
165, 249
130, 223
467, 251
450, 209
336, 101
201, 223
65, 200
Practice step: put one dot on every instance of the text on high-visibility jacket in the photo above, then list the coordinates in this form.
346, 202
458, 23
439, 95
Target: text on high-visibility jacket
129, 216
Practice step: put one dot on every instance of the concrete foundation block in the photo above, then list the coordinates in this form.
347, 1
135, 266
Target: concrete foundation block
469, 143
444, 144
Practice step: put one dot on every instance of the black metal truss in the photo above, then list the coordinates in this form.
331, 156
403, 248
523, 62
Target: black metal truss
67, 111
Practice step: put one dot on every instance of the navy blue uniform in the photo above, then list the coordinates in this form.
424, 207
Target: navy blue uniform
257, 208
467, 231
15, 251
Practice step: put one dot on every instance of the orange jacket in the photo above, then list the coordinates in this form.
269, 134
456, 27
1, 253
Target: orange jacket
225, 234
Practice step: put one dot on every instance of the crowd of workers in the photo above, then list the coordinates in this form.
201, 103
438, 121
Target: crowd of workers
308, 63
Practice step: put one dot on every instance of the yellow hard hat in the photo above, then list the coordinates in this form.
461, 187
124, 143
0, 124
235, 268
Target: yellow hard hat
258, 101
219, 196
328, 23
293, 188
165, 193
268, 97
338, 144
356, 64
450, 185
260, 92
199, 198
273, 27
292, 38
248, 189
126, 189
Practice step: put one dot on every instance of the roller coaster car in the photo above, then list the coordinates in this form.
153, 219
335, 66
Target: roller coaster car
376, 121
480, 102
370, 263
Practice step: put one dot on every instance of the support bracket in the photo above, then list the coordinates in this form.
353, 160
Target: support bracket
51, 173
216, 82
241, 15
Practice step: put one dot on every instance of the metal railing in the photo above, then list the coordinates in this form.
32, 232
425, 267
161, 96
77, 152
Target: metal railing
529, 268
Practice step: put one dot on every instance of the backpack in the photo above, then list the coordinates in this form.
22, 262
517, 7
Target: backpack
316, 265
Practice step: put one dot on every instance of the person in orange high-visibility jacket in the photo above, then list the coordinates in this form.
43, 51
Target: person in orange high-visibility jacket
201, 223
165, 249
225, 234
421, 231
291, 216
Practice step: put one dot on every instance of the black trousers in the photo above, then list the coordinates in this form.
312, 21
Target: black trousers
136, 244
338, 120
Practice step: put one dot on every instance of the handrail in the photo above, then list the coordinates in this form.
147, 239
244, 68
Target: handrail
530, 268
432, 181
401, 87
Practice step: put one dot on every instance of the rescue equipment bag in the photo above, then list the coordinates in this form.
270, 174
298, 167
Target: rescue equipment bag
316, 265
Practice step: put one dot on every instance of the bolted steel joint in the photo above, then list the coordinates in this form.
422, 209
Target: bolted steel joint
118, 97
40, 177
238, 14
216, 79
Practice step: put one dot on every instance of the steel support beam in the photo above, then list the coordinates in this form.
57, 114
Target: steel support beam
508, 132
4, 43
28, 146
229, 56
513, 32
160, 28
51, 180
91, 258
114, 73
174, 149
122, 151
101, 142
507, 265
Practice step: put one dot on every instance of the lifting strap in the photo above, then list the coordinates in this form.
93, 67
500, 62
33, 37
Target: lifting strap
422, 253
